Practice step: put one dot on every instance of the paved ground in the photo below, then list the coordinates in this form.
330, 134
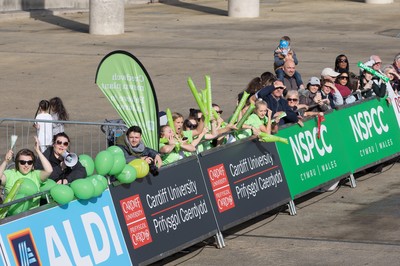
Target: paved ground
53, 55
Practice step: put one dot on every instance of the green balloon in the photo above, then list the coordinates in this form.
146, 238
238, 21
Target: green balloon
47, 185
104, 162
88, 163
128, 175
115, 150
62, 194
19, 207
28, 187
97, 185
141, 166
119, 164
103, 180
83, 188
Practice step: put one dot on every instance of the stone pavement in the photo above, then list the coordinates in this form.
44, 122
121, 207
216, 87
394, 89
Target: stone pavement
46, 54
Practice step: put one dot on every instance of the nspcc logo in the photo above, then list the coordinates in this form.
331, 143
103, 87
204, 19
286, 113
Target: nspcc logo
24, 248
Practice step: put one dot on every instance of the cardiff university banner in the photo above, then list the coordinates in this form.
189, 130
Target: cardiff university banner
127, 85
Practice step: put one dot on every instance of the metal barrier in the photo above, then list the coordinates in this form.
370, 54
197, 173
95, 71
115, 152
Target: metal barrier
86, 137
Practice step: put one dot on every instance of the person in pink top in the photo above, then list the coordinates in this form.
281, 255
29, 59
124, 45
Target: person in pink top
342, 84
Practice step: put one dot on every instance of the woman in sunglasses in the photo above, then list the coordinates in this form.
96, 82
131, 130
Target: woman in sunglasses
342, 84
342, 65
62, 173
24, 169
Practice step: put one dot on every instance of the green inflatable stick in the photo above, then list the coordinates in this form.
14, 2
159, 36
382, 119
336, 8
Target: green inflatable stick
239, 108
264, 137
245, 116
170, 120
282, 115
196, 95
10, 197
372, 71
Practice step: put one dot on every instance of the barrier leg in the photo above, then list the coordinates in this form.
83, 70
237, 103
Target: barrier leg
292, 208
220, 240
352, 181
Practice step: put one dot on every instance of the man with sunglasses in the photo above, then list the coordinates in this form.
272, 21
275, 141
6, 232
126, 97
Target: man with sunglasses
62, 173
273, 95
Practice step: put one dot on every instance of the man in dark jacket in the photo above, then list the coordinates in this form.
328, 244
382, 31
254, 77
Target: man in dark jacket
273, 95
133, 147
62, 173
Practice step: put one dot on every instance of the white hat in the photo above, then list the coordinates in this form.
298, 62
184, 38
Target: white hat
329, 72
314, 81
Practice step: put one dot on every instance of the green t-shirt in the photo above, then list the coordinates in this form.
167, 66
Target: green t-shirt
171, 157
255, 121
189, 135
13, 175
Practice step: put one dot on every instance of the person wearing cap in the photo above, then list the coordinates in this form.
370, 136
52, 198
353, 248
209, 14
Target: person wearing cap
312, 97
328, 74
375, 63
377, 86
282, 54
273, 95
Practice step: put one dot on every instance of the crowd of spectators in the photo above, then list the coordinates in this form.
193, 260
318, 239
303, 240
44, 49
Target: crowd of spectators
282, 98
273, 100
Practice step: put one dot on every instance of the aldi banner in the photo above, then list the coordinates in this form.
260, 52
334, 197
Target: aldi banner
244, 180
165, 214
80, 233
127, 85
309, 161
370, 132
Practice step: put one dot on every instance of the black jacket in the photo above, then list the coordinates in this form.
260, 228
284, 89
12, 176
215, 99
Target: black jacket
277, 105
69, 173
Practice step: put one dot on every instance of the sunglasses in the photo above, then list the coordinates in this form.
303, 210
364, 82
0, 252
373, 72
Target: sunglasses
292, 99
22, 162
343, 60
219, 112
58, 142
282, 88
343, 77
191, 126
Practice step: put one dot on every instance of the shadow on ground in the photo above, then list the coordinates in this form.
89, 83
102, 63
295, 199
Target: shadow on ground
195, 7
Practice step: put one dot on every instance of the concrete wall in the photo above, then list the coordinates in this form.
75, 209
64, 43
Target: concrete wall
26, 5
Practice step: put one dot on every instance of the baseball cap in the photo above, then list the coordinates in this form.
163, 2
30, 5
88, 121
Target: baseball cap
329, 72
314, 81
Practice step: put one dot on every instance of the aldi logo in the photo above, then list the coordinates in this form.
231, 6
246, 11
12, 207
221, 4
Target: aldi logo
24, 248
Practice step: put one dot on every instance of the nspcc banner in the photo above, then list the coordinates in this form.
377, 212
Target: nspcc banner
309, 161
372, 132
80, 233
127, 85
244, 180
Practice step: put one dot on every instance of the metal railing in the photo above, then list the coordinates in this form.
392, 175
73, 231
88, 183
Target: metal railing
86, 137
